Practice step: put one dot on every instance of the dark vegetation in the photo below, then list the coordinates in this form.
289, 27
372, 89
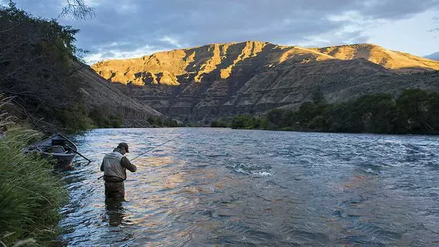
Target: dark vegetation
414, 112
39, 67
160, 122
30, 192
37, 89
37, 64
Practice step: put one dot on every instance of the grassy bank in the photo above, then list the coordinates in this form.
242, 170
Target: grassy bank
30, 193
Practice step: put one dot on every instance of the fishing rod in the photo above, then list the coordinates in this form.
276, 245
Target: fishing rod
140, 155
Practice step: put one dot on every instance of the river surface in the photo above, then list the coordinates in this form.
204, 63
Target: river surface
250, 188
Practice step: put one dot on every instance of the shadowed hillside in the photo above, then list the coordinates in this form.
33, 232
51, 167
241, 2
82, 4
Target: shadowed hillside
47, 84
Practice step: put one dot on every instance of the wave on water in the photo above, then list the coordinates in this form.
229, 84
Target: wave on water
258, 188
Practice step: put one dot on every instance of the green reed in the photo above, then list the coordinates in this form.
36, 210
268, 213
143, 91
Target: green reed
31, 194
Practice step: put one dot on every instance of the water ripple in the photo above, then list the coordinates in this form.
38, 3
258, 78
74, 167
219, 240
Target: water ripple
253, 188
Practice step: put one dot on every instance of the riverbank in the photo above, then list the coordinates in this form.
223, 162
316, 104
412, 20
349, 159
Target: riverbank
31, 194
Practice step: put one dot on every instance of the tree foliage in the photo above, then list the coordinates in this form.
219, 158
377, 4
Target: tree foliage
78, 9
414, 111
37, 61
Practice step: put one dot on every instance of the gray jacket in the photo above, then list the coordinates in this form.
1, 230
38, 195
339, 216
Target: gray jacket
114, 166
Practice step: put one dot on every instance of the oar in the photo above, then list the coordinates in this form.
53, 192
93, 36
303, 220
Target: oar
78, 153
73, 144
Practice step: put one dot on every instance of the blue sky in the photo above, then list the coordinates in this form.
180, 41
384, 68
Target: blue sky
133, 28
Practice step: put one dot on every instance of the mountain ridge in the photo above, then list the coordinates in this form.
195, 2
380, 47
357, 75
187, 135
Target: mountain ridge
434, 56
219, 80
395, 60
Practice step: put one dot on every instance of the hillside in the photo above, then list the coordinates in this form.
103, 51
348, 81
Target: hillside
434, 56
81, 99
220, 80
99, 93
394, 60
49, 88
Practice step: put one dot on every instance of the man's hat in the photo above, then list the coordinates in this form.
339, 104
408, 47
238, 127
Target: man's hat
123, 145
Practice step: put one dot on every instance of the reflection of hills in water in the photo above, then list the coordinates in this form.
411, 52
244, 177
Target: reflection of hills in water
217, 80
320, 192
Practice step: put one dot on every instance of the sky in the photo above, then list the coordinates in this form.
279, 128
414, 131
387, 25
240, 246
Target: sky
134, 28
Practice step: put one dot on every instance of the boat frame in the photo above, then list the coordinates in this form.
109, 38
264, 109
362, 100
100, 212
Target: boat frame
64, 156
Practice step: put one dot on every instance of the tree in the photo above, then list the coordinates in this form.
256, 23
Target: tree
337, 117
433, 111
243, 121
372, 113
37, 61
307, 111
412, 111
78, 9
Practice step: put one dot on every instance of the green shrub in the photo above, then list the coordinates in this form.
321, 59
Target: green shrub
218, 124
75, 118
30, 194
414, 111
161, 122
170, 123
244, 121
102, 120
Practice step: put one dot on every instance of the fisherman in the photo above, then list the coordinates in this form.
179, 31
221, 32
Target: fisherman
114, 166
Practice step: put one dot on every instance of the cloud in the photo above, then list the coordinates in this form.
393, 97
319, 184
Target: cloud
125, 28
171, 41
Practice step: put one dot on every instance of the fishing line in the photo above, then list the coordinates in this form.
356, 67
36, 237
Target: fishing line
157, 146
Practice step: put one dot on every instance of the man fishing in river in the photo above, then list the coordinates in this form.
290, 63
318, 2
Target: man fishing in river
114, 166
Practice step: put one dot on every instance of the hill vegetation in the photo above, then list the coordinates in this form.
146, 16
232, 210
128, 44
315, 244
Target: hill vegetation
51, 88
415, 111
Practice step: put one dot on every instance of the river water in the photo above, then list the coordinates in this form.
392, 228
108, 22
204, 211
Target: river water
250, 188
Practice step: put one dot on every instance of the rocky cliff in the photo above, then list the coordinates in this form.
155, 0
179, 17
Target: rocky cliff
218, 80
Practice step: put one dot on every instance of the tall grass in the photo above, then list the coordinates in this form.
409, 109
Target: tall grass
30, 193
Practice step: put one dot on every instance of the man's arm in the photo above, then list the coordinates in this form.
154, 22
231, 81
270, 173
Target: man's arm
127, 164
102, 166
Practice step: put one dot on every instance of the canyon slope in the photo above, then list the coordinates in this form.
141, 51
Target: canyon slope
98, 93
221, 80
49, 107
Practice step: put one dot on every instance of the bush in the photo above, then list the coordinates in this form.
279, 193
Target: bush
414, 111
102, 120
218, 124
75, 118
155, 121
244, 121
170, 123
30, 194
